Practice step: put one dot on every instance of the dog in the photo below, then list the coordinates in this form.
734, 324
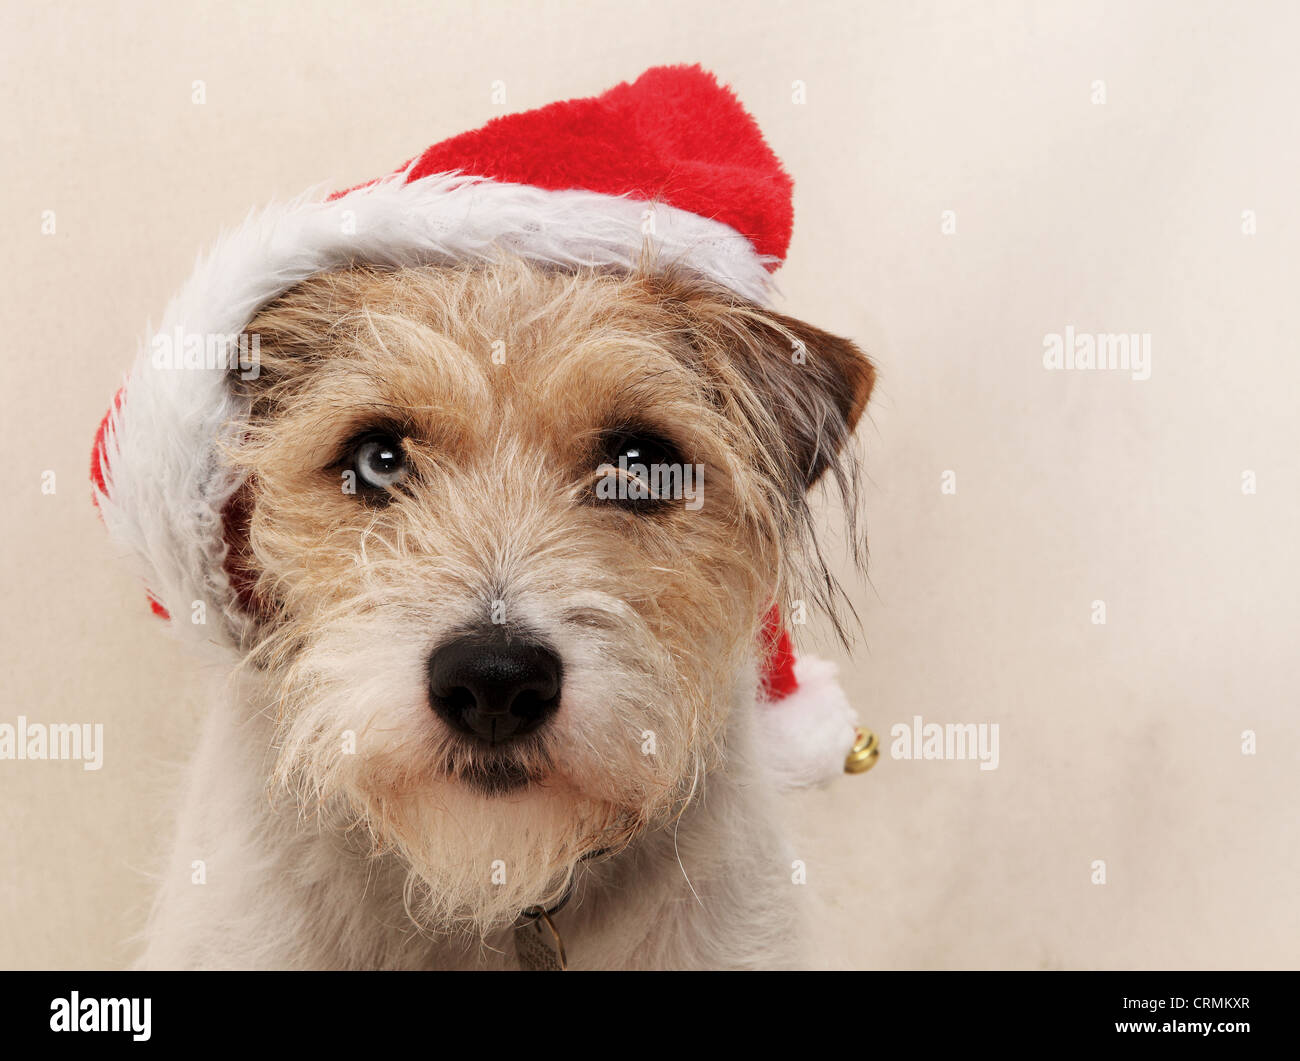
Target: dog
461, 651
499, 541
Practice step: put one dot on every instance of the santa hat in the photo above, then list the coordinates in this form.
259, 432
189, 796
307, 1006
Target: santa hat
670, 160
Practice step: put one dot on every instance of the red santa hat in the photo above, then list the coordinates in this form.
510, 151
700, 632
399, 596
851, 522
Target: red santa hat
671, 162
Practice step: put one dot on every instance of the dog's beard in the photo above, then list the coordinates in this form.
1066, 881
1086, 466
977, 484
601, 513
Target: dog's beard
481, 840
483, 832
476, 865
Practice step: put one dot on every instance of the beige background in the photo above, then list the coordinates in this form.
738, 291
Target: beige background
1118, 742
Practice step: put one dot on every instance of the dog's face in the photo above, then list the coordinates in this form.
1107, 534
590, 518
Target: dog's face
510, 537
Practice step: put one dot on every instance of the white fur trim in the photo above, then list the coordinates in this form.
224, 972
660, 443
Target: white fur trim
166, 486
805, 737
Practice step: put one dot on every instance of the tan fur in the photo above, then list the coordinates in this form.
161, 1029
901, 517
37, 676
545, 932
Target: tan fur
654, 615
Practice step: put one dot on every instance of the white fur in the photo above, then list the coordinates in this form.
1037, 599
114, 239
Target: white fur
280, 890
308, 875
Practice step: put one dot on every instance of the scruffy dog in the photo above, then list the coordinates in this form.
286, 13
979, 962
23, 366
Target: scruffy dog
467, 655
496, 686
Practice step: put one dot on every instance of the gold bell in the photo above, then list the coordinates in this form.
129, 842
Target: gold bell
865, 752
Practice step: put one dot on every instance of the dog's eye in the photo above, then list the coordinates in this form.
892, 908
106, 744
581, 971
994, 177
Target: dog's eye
379, 461
645, 453
637, 467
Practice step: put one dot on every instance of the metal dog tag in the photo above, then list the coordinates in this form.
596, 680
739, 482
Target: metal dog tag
538, 946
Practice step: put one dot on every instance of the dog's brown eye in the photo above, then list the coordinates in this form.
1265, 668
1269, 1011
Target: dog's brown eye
379, 461
638, 468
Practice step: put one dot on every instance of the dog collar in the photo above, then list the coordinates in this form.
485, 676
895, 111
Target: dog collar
538, 944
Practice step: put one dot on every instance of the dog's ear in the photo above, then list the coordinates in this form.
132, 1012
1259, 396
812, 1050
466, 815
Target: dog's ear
816, 385
802, 388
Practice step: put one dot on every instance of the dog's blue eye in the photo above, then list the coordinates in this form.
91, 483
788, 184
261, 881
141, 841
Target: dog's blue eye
379, 461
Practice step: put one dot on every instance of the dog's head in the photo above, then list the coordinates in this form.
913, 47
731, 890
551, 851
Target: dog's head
510, 534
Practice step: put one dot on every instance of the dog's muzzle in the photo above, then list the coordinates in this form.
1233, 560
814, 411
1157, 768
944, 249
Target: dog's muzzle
494, 686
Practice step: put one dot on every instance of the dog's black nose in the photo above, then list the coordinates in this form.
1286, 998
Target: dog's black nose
493, 686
